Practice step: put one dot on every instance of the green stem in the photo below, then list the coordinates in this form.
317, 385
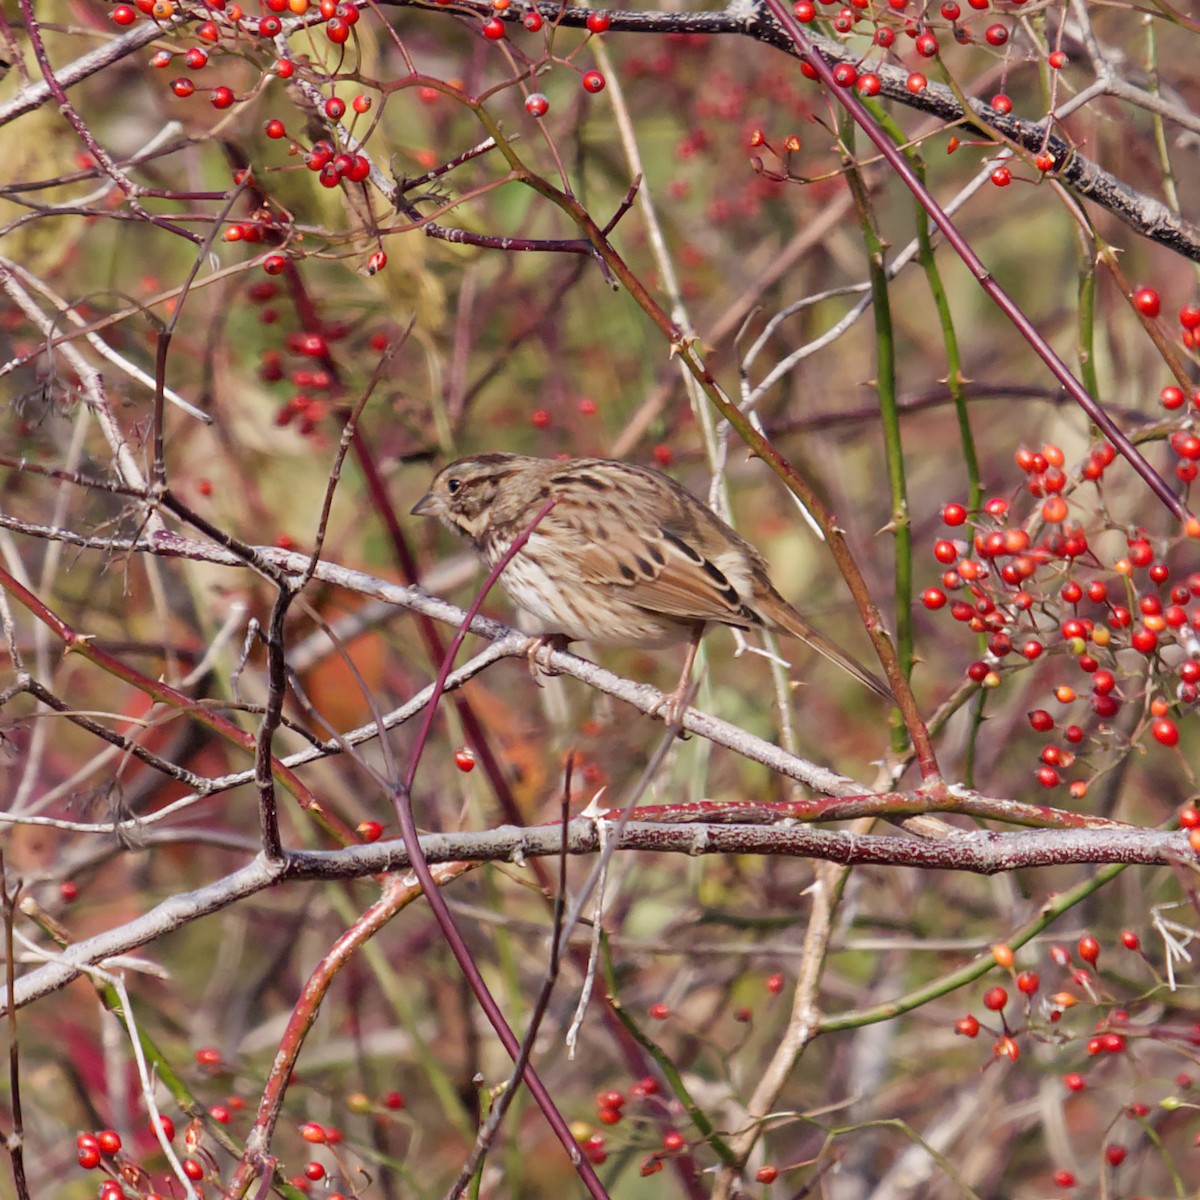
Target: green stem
889, 411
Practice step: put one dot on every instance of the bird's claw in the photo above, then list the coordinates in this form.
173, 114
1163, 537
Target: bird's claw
538, 654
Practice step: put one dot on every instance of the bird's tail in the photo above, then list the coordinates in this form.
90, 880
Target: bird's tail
785, 617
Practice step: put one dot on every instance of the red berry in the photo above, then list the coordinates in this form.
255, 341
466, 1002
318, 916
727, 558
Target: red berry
195, 58
951, 11
221, 97
1114, 1155
183, 88
916, 82
597, 22
1028, 982
967, 1026
927, 45
464, 759
123, 14
953, 514
804, 11
536, 105
493, 28
996, 35
335, 108
593, 82
1189, 317
275, 129
845, 75
1144, 640
337, 30
933, 598
1002, 177
532, 20
1041, 720
1057, 60
270, 27
1089, 949
1146, 301
1002, 104
1165, 731
995, 998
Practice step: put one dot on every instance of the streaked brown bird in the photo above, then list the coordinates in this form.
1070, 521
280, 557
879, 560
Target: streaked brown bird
626, 557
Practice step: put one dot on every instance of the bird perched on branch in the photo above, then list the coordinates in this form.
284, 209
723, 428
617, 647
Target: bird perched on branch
625, 557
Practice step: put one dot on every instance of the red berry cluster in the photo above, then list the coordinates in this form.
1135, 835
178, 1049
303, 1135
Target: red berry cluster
105, 1151
1148, 302
313, 381
1114, 1035
610, 1109
610, 1106
263, 222
332, 166
920, 24
495, 29
1034, 587
231, 22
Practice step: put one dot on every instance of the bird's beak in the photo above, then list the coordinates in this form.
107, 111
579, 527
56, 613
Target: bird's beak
429, 505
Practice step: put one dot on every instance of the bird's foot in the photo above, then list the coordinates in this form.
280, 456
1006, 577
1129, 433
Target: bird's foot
673, 706
539, 651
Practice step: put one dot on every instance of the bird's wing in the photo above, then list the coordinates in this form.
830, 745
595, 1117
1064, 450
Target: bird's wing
663, 570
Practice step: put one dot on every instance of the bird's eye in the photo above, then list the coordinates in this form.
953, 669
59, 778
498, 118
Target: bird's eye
452, 485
